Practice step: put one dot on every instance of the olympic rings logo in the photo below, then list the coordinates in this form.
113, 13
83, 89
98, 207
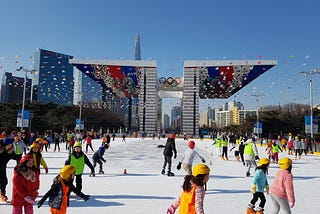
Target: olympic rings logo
173, 82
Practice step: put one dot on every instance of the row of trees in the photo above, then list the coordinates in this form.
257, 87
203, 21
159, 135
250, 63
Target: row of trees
278, 120
54, 117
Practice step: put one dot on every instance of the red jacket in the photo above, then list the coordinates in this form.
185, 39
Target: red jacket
22, 187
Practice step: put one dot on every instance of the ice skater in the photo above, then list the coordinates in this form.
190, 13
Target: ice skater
188, 157
281, 190
259, 183
98, 157
192, 197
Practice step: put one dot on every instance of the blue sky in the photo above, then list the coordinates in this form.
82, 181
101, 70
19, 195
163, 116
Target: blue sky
171, 32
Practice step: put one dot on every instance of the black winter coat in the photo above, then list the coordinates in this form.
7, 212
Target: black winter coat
170, 148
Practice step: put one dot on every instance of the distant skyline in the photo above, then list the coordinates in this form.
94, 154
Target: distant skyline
172, 32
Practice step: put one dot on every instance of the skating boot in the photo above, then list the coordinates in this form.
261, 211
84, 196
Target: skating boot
248, 174
101, 172
3, 198
259, 210
163, 172
170, 174
250, 209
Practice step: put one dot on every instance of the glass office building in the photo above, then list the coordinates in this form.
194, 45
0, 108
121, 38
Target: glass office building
53, 81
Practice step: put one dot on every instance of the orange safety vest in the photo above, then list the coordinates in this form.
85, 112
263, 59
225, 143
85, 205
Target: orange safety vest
187, 202
64, 203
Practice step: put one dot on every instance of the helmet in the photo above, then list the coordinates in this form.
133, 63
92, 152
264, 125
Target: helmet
7, 141
191, 144
77, 144
26, 158
285, 163
172, 136
39, 139
34, 145
66, 171
200, 169
263, 161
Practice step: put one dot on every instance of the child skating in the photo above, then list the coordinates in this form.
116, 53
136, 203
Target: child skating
59, 192
98, 157
24, 186
78, 159
281, 190
191, 199
259, 183
188, 157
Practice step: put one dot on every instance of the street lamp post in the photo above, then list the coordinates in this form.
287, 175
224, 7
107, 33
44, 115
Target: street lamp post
309, 74
257, 99
24, 92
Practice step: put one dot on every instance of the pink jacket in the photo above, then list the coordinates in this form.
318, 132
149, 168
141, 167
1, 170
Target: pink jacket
282, 185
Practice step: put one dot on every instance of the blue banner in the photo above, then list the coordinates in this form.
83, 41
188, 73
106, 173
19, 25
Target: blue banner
307, 121
26, 117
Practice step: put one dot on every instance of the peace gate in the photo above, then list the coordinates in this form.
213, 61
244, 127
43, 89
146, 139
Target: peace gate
208, 79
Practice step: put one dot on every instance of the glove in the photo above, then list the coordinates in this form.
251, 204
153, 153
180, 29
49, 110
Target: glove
46, 169
203, 160
179, 166
86, 197
171, 210
253, 188
29, 199
291, 204
256, 157
267, 189
175, 156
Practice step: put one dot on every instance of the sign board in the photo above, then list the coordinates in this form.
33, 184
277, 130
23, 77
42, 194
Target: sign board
257, 128
307, 121
26, 117
79, 126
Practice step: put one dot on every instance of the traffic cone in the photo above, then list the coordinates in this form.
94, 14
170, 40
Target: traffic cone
125, 171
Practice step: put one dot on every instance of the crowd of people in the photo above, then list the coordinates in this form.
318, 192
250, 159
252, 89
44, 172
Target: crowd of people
245, 150
26, 150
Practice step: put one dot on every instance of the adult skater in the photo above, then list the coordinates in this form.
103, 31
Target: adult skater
168, 152
188, 157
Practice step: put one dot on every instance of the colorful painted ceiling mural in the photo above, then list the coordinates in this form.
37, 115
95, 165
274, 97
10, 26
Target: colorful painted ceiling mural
224, 81
121, 80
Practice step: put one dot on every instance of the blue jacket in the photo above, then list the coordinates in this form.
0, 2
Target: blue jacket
98, 155
260, 180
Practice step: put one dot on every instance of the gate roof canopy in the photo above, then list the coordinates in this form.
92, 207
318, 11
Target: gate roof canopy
217, 78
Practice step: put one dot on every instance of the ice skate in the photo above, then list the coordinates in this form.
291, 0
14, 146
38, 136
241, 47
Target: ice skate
259, 210
170, 174
248, 174
101, 172
4, 198
250, 209
163, 172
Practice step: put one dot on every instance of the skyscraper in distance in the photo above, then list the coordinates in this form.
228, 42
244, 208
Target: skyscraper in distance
137, 54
